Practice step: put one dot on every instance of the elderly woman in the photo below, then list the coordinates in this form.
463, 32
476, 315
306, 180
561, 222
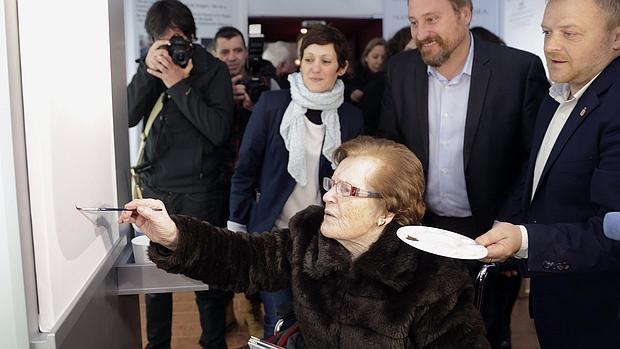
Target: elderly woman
355, 284
288, 145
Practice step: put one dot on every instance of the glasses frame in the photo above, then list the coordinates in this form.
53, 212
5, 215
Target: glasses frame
329, 183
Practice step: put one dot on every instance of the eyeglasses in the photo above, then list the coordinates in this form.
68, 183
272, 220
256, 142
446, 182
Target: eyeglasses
346, 189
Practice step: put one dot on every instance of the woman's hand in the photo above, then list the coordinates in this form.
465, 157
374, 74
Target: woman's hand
357, 95
153, 219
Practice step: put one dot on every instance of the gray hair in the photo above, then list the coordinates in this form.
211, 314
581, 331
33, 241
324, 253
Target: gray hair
612, 9
279, 52
459, 4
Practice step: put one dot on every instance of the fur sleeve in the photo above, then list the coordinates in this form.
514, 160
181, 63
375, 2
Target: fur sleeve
450, 320
240, 262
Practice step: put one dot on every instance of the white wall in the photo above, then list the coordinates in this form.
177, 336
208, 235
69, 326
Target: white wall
68, 120
13, 322
312, 8
520, 25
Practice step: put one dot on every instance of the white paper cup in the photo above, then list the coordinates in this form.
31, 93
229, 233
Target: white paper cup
140, 244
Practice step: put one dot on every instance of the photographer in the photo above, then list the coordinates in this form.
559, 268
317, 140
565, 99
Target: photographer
250, 76
186, 149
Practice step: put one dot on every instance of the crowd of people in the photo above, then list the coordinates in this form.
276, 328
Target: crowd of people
295, 196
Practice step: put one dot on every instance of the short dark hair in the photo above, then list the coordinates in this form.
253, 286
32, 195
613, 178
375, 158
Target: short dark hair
227, 33
399, 40
325, 35
168, 14
487, 35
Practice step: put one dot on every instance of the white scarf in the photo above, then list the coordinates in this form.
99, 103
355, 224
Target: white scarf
292, 128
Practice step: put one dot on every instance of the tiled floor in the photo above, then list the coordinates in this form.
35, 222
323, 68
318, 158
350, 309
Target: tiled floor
186, 327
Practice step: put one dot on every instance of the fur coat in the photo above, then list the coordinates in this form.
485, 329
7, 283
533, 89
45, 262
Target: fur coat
391, 296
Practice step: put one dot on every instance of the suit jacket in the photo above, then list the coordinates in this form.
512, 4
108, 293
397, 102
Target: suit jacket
507, 86
261, 183
575, 269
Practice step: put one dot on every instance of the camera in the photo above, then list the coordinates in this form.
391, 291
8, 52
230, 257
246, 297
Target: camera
260, 71
180, 50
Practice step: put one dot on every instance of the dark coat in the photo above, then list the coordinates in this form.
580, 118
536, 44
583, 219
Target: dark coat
261, 183
372, 84
574, 268
392, 296
188, 144
507, 86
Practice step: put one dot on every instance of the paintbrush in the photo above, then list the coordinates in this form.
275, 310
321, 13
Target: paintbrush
104, 209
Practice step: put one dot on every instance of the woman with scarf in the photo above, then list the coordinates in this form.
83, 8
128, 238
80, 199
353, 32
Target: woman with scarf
288, 145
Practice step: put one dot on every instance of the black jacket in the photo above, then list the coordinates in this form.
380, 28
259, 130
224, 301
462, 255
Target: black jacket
392, 296
188, 144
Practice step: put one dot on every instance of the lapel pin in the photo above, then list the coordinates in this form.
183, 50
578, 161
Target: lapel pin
583, 112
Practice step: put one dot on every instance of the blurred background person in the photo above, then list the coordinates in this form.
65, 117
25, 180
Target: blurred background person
185, 153
487, 35
282, 55
369, 72
400, 41
371, 63
229, 47
288, 144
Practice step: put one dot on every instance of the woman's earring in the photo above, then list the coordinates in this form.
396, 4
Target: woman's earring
380, 221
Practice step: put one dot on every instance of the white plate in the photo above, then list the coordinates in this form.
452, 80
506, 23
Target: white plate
441, 242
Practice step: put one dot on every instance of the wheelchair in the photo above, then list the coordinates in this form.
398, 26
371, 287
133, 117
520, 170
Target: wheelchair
288, 328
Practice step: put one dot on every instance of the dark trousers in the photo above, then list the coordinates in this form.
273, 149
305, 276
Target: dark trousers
500, 291
212, 207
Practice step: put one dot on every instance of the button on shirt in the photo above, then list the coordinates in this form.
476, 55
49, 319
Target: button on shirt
446, 191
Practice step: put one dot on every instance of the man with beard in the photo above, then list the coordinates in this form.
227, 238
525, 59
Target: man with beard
466, 108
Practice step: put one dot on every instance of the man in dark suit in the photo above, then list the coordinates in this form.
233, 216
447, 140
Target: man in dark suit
572, 180
466, 108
